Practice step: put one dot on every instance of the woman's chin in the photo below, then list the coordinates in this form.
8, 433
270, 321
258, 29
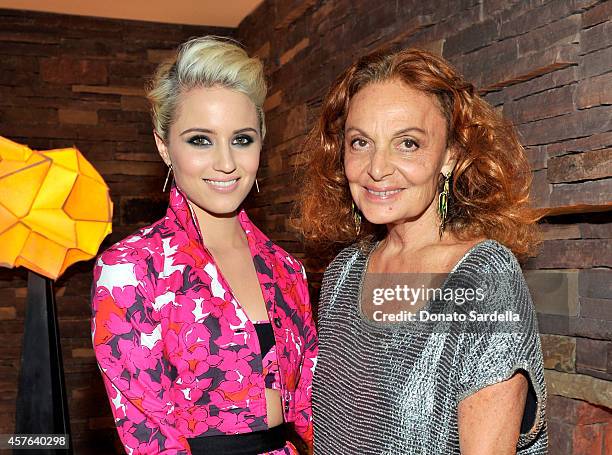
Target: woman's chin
219, 208
390, 218
381, 218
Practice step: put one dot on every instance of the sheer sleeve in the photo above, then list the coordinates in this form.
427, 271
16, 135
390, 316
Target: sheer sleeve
492, 352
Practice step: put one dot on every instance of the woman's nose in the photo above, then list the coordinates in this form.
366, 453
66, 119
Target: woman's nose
380, 164
224, 160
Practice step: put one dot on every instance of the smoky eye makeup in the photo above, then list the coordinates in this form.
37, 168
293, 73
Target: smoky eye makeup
199, 140
243, 140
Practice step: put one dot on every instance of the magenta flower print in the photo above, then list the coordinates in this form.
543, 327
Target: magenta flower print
178, 356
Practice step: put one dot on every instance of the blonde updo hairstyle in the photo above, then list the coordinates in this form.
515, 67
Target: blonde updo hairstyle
208, 61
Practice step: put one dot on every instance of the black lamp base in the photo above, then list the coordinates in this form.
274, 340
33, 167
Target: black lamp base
42, 405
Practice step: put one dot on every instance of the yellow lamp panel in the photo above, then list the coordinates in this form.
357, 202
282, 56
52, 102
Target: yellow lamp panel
53, 224
19, 189
7, 219
86, 200
10, 166
73, 255
55, 188
11, 242
10, 150
63, 157
90, 234
42, 256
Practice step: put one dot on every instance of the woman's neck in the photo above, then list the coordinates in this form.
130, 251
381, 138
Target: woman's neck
220, 232
414, 234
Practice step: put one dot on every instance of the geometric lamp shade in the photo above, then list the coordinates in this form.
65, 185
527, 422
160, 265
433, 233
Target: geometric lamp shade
55, 208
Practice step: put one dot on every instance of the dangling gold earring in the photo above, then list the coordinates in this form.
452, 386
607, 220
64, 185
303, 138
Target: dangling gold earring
356, 218
167, 177
256, 184
443, 198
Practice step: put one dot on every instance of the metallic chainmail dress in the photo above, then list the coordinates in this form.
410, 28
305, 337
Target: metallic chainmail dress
393, 388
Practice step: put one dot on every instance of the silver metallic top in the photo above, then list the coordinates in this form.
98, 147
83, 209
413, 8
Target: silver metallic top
393, 388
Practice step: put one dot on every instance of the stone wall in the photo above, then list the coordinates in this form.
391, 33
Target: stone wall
64, 81
547, 66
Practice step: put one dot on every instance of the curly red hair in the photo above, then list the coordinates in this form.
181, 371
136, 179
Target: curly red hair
491, 180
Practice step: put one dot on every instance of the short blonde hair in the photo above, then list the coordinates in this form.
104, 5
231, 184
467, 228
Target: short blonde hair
206, 61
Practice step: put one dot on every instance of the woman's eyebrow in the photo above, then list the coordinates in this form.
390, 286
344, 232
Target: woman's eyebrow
199, 130
397, 133
410, 130
206, 130
244, 130
352, 128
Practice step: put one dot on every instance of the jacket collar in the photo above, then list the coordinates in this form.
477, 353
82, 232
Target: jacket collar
180, 210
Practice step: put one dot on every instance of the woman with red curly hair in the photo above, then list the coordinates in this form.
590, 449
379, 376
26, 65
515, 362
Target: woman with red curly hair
428, 337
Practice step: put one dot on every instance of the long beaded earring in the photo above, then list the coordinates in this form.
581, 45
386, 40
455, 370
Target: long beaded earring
167, 177
443, 198
356, 218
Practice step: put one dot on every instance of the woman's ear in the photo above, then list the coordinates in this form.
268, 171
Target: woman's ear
450, 160
162, 148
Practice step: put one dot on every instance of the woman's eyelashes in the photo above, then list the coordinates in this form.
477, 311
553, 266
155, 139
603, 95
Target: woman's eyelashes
403, 145
199, 141
242, 140
408, 145
359, 143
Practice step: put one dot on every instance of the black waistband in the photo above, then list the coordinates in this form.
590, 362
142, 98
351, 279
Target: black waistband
253, 443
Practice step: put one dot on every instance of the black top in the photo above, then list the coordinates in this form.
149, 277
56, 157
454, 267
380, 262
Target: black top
265, 335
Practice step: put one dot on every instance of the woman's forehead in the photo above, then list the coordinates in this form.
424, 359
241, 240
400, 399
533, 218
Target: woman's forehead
392, 103
215, 105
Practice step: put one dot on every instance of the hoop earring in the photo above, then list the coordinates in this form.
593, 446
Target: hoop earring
167, 178
356, 218
443, 198
256, 184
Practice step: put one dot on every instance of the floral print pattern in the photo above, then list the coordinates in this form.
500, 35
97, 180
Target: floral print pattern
270, 370
178, 355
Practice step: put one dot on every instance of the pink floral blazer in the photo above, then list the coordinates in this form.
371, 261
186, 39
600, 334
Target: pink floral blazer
178, 355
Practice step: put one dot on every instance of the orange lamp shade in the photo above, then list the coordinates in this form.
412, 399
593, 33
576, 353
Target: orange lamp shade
55, 208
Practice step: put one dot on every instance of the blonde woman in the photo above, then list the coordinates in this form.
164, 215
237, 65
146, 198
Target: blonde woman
202, 326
